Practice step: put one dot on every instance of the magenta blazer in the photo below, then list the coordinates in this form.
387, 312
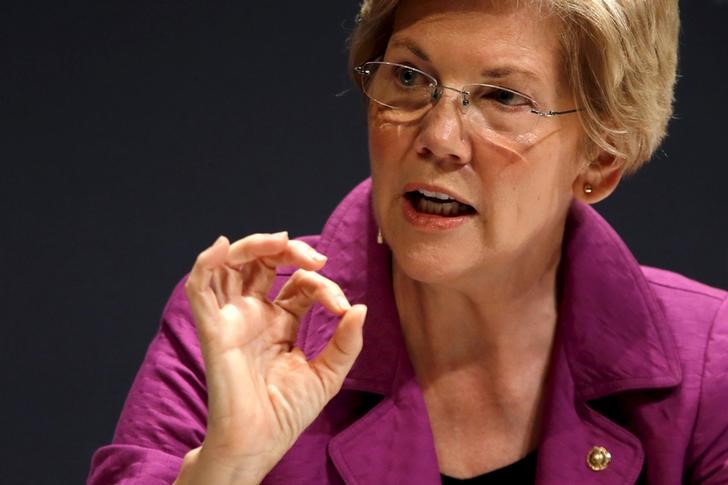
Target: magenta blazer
640, 368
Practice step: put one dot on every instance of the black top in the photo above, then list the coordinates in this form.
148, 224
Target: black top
521, 472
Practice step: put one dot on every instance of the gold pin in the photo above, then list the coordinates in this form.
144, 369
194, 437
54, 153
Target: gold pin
598, 458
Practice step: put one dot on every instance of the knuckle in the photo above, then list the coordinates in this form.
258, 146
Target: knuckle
330, 287
300, 245
334, 287
268, 263
199, 259
301, 276
190, 287
255, 237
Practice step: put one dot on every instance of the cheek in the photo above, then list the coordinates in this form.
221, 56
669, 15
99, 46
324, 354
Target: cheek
550, 168
531, 191
384, 153
387, 141
388, 147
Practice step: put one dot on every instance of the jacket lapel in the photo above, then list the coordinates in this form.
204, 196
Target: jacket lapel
392, 443
571, 430
612, 327
611, 339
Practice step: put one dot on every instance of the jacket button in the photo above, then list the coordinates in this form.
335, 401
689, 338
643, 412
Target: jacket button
598, 458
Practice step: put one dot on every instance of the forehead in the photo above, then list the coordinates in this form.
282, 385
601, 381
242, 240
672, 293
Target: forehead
482, 34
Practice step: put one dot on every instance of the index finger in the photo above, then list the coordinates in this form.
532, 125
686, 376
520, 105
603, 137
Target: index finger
256, 246
203, 302
209, 259
259, 277
274, 250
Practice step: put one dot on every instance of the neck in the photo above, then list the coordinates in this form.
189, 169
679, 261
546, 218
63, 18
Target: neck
489, 322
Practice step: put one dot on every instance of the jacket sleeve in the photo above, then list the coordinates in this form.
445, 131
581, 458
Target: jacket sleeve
165, 412
710, 436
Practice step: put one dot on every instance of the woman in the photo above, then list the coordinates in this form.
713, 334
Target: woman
509, 332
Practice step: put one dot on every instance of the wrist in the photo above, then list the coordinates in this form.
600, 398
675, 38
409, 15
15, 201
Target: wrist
201, 466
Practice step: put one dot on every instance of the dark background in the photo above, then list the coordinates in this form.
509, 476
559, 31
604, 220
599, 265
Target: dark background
133, 133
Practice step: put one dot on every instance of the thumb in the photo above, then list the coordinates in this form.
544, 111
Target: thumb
336, 359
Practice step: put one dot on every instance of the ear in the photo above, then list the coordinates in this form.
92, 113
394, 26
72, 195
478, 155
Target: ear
598, 179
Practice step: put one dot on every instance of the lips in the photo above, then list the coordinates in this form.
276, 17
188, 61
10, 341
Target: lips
434, 202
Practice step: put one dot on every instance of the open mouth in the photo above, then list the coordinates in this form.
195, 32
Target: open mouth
437, 204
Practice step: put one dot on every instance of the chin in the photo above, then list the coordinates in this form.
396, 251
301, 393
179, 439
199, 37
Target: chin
432, 263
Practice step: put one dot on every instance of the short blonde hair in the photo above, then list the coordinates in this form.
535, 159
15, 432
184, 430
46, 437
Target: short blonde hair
620, 58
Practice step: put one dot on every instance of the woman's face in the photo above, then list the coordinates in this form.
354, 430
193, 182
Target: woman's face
518, 188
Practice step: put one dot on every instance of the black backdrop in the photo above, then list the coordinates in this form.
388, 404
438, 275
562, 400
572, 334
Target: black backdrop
133, 133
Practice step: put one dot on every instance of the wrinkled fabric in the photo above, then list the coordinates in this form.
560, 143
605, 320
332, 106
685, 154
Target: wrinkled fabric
640, 367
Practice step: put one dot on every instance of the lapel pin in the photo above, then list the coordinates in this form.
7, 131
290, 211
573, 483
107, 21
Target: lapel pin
598, 458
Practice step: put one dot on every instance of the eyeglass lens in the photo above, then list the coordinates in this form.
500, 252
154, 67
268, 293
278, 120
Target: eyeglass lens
410, 93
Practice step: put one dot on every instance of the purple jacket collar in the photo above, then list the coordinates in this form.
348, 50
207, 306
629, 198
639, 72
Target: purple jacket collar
610, 340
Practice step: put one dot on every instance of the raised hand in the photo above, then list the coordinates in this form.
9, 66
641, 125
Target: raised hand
262, 391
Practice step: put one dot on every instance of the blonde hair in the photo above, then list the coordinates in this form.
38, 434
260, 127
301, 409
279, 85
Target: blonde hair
620, 58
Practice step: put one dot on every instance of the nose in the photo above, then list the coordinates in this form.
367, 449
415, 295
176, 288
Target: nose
442, 137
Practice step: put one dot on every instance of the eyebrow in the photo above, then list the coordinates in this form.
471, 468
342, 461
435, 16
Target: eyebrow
501, 72
508, 71
412, 47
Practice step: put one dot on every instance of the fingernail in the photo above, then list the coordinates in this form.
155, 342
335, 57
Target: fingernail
282, 234
318, 257
343, 302
219, 238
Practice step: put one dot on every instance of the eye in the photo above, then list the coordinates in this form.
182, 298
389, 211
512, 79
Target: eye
509, 98
408, 77
502, 96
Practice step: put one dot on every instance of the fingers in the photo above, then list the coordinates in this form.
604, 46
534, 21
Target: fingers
202, 298
306, 287
225, 271
275, 250
298, 254
256, 246
227, 284
335, 360
257, 257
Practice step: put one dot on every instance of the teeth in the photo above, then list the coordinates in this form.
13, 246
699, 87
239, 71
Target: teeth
439, 208
434, 195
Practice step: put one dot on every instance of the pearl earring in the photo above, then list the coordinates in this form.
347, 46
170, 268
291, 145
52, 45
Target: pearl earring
588, 189
380, 238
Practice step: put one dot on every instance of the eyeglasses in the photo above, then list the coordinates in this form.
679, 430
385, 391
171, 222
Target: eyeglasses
410, 93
